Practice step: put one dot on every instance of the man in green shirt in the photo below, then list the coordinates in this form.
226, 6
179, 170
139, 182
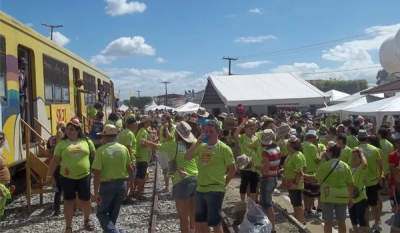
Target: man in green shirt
112, 167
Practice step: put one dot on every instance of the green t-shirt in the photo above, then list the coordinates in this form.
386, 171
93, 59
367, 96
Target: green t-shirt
142, 153
387, 148
310, 152
112, 159
352, 141
190, 167
336, 183
74, 157
171, 132
245, 148
282, 145
257, 153
346, 156
212, 165
118, 123
127, 138
359, 175
372, 156
92, 113
294, 162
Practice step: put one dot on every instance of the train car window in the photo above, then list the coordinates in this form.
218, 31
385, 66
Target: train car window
107, 89
56, 80
3, 69
89, 83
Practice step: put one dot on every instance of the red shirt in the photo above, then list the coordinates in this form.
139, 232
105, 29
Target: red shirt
394, 159
274, 157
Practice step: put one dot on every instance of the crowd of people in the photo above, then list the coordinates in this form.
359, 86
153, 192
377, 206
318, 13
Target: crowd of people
337, 169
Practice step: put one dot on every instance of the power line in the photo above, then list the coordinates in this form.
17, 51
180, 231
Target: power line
138, 93
230, 59
336, 71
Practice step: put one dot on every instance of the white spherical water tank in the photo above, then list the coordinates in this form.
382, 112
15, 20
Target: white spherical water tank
387, 56
397, 44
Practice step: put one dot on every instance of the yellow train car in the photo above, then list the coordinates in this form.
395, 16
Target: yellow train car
50, 72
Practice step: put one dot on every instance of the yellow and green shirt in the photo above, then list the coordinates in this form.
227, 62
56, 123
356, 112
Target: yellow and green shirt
212, 164
171, 132
336, 183
112, 160
359, 176
352, 141
294, 162
387, 148
372, 156
345, 155
127, 137
142, 153
245, 148
310, 152
74, 157
190, 167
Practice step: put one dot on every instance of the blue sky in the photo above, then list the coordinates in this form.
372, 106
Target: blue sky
141, 44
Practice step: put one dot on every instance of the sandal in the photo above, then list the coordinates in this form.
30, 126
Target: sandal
89, 225
68, 230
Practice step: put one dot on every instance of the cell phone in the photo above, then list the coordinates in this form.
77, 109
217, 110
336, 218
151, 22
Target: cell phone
205, 139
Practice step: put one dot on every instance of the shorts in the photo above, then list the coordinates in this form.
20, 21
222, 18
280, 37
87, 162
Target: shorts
141, 170
267, 186
357, 213
332, 211
296, 197
372, 194
311, 189
209, 208
248, 178
71, 186
163, 159
185, 189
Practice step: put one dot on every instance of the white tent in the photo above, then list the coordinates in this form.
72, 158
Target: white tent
356, 96
161, 107
188, 108
123, 107
264, 89
378, 109
338, 108
335, 95
149, 107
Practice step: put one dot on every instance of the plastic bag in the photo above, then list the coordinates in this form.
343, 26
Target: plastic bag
255, 221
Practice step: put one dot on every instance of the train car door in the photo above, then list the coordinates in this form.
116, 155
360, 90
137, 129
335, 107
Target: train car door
26, 64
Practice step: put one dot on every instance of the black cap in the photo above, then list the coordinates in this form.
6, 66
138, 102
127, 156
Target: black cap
22, 60
131, 121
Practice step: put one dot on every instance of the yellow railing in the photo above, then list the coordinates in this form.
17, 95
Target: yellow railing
40, 124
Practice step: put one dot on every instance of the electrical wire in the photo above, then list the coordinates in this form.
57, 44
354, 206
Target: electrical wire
336, 71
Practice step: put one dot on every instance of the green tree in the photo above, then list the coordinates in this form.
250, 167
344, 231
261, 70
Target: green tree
347, 86
127, 102
141, 101
384, 77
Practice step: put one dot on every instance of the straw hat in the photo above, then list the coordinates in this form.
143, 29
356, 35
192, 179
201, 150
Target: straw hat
323, 130
223, 115
202, 112
330, 144
185, 131
242, 161
109, 130
268, 137
283, 129
144, 119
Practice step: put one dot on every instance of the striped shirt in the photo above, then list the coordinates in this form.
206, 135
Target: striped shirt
274, 157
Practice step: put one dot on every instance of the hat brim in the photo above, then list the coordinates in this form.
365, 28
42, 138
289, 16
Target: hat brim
189, 139
269, 142
110, 134
204, 115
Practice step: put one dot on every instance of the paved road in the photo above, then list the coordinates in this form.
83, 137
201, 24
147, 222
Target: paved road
317, 226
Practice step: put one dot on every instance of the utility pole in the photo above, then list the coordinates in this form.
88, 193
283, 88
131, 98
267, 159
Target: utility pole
166, 93
230, 59
51, 28
138, 93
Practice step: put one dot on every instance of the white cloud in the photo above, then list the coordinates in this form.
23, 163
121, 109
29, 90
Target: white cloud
124, 46
29, 25
60, 38
122, 7
149, 81
160, 60
252, 64
230, 16
255, 39
256, 11
350, 57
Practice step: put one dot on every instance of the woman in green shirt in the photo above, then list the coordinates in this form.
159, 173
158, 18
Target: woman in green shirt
166, 132
185, 176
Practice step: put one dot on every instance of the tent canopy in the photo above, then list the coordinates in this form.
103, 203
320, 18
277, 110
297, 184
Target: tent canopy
161, 107
188, 107
388, 106
335, 95
266, 89
356, 96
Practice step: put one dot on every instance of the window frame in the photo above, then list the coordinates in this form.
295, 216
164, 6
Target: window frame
56, 74
3, 65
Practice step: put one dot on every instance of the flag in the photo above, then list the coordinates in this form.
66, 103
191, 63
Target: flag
131, 94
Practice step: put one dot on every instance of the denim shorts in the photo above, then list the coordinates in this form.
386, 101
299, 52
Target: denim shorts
328, 210
141, 170
267, 186
209, 208
185, 189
